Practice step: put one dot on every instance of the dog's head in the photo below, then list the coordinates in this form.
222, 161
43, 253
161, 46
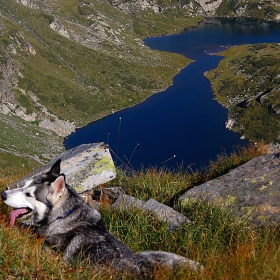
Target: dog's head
36, 196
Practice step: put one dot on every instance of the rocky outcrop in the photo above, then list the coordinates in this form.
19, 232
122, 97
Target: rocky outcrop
60, 127
28, 3
209, 7
90, 165
29, 48
9, 72
21, 112
90, 36
58, 26
2, 27
141, 5
85, 166
251, 191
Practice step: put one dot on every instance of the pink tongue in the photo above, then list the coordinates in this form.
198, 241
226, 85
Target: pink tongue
15, 213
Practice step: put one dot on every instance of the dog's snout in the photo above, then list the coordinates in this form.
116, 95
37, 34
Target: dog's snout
4, 195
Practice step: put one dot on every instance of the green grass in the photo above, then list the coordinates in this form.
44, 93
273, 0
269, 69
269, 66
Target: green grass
25, 140
163, 184
74, 81
83, 83
251, 9
226, 246
246, 82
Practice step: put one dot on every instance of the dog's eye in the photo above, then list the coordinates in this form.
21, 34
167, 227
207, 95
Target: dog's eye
28, 194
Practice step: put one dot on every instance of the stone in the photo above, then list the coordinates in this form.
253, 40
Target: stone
29, 48
127, 203
165, 213
251, 191
86, 167
109, 195
57, 26
209, 7
161, 211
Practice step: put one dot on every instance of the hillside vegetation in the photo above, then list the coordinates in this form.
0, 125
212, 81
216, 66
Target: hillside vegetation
52, 82
66, 63
247, 83
226, 246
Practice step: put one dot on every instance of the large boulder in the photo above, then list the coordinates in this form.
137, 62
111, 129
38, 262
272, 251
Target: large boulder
251, 190
85, 167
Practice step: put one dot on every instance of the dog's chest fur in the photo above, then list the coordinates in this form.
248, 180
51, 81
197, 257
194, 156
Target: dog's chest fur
78, 228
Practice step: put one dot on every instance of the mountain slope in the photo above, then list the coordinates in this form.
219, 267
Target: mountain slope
246, 82
64, 64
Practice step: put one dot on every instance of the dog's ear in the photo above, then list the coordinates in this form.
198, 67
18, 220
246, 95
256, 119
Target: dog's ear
56, 189
55, 169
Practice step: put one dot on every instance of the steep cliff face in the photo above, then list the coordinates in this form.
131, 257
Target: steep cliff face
209, 8
9, 72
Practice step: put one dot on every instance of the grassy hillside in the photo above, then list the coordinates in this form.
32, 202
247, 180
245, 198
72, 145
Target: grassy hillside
66, 63
75, 80
226, 246
268, 10
100, 66
246, 82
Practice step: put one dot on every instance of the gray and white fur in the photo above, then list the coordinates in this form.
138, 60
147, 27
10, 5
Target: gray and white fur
73, 227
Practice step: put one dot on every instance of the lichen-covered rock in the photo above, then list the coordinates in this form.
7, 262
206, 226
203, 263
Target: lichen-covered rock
85, 167
251, 190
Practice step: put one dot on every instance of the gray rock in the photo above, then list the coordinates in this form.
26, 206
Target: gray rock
85, 167
127, 203
165, 213
108, 194
161, 211
251, 190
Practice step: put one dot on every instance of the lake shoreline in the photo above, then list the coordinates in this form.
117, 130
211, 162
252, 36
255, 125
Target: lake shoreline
181, 120
205, 21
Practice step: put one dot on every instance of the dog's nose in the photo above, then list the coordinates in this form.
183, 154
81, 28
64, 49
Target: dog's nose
4, 195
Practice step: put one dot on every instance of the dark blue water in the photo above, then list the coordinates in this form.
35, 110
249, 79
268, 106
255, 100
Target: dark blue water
182, 125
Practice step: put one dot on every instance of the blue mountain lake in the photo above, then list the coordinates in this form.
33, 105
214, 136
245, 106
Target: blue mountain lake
182, 126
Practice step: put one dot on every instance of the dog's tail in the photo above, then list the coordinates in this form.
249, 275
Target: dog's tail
146, 262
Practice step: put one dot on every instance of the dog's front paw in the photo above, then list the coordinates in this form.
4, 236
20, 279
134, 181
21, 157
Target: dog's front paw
67, 258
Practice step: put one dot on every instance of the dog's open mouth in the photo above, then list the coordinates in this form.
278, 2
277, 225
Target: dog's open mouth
19, 213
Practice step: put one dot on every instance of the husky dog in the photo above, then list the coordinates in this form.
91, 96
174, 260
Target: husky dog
70, 225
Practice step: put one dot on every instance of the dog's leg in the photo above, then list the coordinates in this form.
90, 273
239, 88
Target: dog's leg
73, 248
